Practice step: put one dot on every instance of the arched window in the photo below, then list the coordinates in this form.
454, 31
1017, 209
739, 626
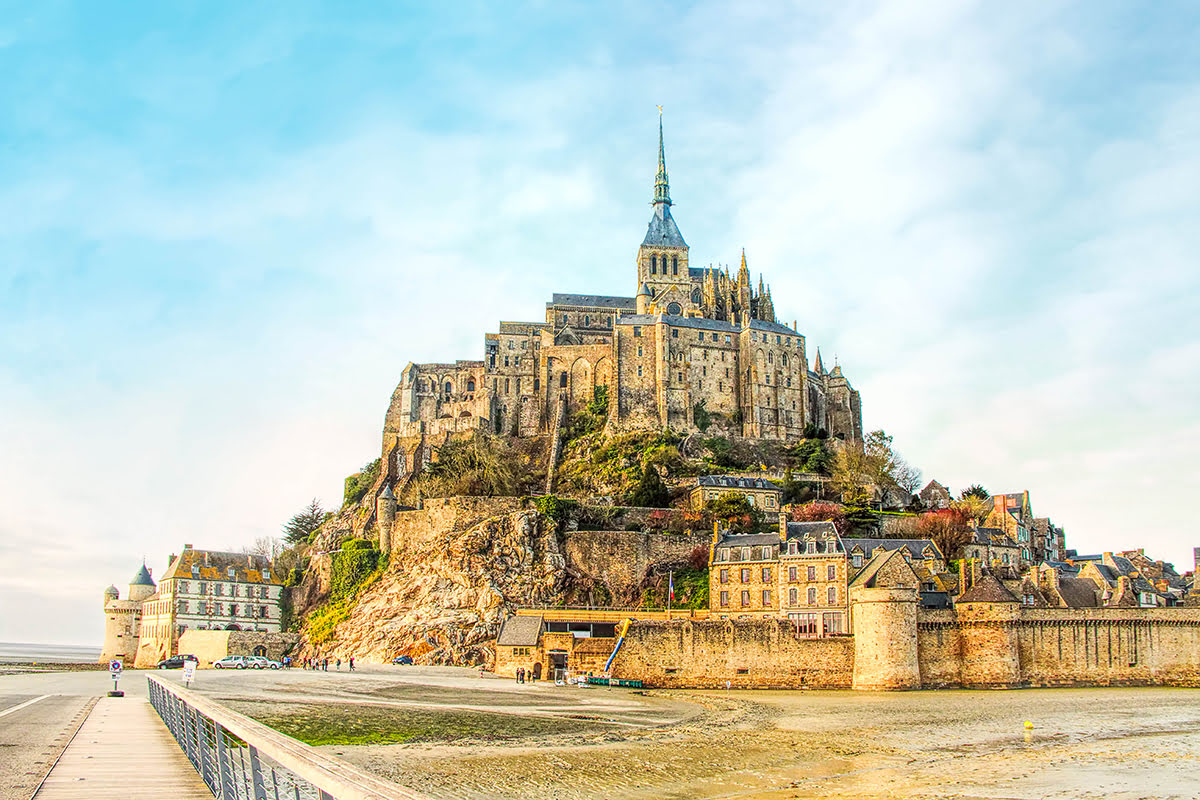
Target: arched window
674, 265
696, 298
447, 388
654, 265
470, 384
587, 321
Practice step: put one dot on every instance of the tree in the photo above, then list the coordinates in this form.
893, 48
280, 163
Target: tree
650, 491
822, 512
304, 524
477, 466
873, 463
268, 546
735, 510
906, 476
949, 528
973, 506
974, 490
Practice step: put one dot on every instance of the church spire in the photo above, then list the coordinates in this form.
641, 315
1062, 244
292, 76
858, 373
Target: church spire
662, 189
743, 273
818, 367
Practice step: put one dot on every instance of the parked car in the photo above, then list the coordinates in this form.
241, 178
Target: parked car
231, 662
406, 660
259, 662
176, 662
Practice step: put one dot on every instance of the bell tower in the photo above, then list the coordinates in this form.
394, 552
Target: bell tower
663, 255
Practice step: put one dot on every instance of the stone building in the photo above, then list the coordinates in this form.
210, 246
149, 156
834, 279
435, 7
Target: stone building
761, 493
123, 618
208, 590
690, 338
993, 547
935, 496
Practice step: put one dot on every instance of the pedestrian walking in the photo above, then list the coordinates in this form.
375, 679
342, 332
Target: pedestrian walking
352, 663
339, 665
325, 664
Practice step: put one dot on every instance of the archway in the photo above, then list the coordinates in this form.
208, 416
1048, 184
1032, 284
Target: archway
581, 381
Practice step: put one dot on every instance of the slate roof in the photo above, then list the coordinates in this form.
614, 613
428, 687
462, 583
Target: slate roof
730, 539
662, 230
773, 327
214, 565
142, 578
994, 537
735, 482
808, 530
915, 547
866, 576
1078, 592
700, 323
520, 632
988, 589
593, 301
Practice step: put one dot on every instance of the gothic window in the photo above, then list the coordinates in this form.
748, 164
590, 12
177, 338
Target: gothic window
696, 296
447, 389
653, 265
587, 320
770, 357
674, 265
674, 309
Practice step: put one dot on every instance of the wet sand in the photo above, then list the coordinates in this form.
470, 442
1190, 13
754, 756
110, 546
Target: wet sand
466, 737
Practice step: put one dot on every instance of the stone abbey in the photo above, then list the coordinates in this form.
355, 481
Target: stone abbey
691, 339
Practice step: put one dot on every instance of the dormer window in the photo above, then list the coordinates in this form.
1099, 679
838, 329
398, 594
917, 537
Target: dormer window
792, 549
195, 570
745, 554
231, 572
266, 574
812, 548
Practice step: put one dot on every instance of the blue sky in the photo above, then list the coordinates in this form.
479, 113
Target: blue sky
225, 228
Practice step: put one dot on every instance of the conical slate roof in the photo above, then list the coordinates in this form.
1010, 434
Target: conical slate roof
662, 231
142, 578
387, 492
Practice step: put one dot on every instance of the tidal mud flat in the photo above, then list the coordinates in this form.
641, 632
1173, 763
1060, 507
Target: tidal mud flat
488, 739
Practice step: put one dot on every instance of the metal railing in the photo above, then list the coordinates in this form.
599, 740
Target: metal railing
240, 759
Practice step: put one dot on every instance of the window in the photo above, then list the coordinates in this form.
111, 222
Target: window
856, 560
792, 572
812, 596
746, 575
724, 576
745, 554
745, 598
811, 549
724, 598
562, 380
183, 587
639, 372
812, 572
653, 265
766, 597
203, 587
231, 573
674, 331
831, 573
793, 549
182, 607
832, 595
447, 389
674, 265
263, 593
220, 589
262, 612
723, 554
727, 338
470, 384
639, 351
793, 596
506, 362
637, 331
233, 609
766, 574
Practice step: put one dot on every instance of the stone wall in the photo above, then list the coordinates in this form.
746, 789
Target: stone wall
441, 515
748, 654
622, 559
209, 646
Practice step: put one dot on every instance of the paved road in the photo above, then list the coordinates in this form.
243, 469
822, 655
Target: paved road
34, 729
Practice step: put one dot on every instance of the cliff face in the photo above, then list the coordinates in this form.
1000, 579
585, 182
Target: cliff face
445, 594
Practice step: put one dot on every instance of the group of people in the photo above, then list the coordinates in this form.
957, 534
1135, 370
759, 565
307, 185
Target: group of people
322, 664
522, 674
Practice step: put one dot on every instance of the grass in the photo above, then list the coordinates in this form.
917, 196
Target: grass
347, 724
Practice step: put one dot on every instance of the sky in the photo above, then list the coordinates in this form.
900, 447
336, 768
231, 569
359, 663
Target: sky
225, 228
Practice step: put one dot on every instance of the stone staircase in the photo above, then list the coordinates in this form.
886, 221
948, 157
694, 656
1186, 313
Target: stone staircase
560, 412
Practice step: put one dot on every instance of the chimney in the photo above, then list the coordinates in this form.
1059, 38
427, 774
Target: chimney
1196, 557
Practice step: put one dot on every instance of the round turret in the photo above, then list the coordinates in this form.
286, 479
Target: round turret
385, 512
110, 594
643, 299
142, 585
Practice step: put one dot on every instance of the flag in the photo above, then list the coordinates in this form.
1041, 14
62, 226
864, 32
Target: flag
671, 585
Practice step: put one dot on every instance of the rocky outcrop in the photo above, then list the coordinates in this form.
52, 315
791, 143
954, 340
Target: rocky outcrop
444, 596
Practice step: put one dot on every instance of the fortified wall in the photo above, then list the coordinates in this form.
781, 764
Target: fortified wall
897, 645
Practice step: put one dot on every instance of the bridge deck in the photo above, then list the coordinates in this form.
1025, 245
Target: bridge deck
123, 750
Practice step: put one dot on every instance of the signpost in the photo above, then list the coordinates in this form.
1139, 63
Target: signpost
189, 672
115, 667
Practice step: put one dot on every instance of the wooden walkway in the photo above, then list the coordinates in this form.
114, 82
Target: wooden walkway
123, 750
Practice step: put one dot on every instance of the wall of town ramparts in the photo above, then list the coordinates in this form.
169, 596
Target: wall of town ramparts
748, 654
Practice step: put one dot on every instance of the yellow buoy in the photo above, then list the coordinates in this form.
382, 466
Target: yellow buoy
1028, 725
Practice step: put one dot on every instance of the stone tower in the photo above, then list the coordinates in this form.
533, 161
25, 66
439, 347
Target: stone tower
385, 514
987, 616
123, 618
142, 585
883, 612
663, 255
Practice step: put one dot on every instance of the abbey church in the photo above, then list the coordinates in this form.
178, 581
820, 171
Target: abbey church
690, 340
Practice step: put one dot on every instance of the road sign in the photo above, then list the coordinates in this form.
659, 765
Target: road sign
189, 671
114, 667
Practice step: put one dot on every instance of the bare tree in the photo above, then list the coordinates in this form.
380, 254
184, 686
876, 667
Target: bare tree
269, 546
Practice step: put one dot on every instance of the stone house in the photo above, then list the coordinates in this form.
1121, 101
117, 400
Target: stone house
761, 493
813, 579
935, 496
993, 547
743, 574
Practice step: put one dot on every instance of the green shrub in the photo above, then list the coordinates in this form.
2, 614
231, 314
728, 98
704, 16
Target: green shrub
701, 416
555, 508
352, 569
650, 491
358, 544
322, 621
359, 483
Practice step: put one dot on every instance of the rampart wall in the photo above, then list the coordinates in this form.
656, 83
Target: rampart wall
997, 645
624, 557
749, 654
